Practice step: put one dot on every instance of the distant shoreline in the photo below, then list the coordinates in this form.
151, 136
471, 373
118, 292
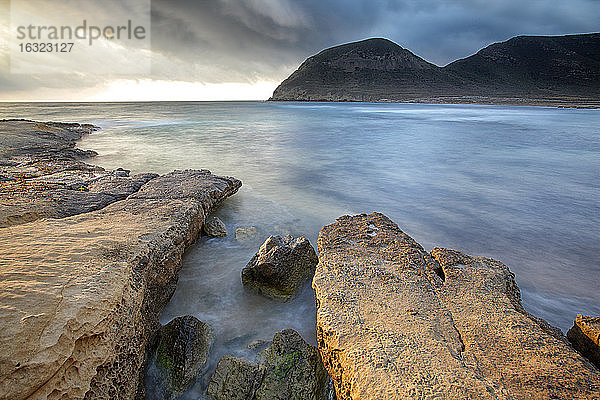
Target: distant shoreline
487, 101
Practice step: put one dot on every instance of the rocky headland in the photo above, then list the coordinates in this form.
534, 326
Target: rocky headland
397, 322
88, 260
524, 70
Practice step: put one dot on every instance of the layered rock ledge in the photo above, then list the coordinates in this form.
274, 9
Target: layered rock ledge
81, 287
397, 322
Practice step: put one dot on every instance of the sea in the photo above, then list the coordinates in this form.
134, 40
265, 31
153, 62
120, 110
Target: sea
518, 184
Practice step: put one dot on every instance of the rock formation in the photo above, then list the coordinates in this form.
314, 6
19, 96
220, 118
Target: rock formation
559, 70
290, 369
43, 175
585, 337
280, 267
81, 295
180, 354
214, 227
395, 322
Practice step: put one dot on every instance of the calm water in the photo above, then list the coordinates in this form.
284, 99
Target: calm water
519, 184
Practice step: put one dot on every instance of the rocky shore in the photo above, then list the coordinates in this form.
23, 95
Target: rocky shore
397, 322
88, 260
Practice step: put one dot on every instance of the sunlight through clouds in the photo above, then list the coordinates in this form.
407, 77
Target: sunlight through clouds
153, 90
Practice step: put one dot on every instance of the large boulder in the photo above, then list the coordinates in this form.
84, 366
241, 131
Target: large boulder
180, 354
214, 227
290, 369
585, 337
280, 267
396, 322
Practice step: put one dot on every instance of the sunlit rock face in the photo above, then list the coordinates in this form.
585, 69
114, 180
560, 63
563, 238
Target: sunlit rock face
585, 337
397, 322
81, 295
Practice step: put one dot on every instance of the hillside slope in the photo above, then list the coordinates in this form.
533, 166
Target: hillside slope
524, 67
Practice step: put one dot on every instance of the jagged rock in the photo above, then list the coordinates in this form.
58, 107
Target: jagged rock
214, 227
280, 267
181, 352
235, 379
290, 369
246, 233
81, 295
585, 337
395, 322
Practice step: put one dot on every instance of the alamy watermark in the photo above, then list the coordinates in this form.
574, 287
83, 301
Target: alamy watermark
80, 36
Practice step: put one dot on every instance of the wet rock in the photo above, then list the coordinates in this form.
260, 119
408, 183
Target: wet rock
235, 379
280, 267
585, 337
396, 322
290, 369
293, 370
246, 233
214, 227
180, 354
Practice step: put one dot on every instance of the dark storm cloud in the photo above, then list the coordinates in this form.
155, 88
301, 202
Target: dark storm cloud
250, 40
266, 38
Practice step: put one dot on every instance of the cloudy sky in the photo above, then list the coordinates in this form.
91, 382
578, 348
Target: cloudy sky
235, 49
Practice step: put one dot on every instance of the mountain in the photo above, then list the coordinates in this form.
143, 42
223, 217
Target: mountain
524, 68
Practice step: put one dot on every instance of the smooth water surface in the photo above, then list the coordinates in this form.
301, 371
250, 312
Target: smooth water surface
518, 184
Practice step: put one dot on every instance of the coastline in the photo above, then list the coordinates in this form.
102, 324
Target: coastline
100, 313
587, 104
79, 317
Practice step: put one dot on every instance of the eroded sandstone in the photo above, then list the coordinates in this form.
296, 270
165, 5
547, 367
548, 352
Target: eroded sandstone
395, 322
80, 295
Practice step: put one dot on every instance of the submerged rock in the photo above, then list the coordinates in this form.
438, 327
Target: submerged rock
235, 379
280, 267
290, 369
181, 352
395, 322
585, 337
246, 233
214, 227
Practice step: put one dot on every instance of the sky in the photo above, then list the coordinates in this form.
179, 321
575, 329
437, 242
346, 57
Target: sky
241, 50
